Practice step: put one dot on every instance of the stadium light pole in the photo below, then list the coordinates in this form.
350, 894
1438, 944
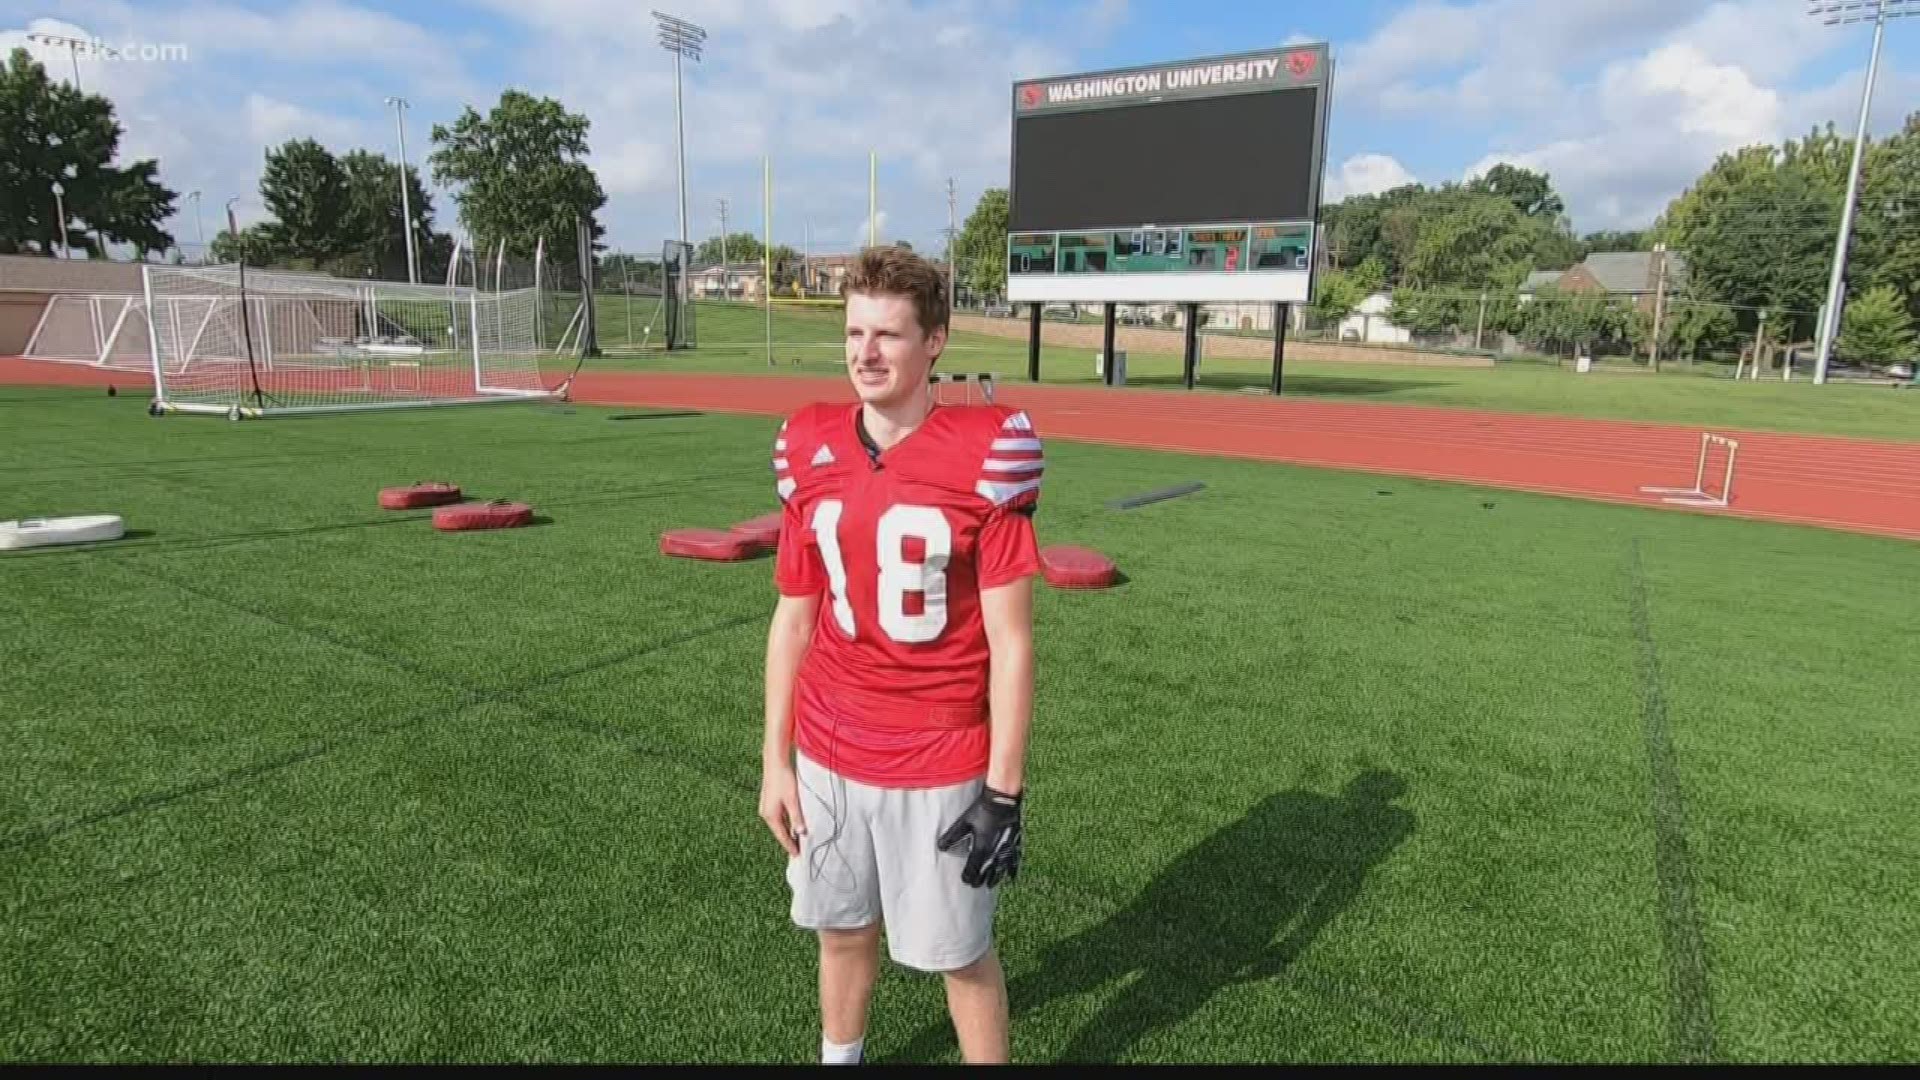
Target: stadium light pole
199, 223
1841, 13
682, 39
406, 209
73, 45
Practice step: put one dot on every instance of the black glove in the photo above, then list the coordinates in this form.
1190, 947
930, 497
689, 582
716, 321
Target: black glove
988, 834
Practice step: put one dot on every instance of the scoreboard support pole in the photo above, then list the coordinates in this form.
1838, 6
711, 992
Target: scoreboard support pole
1281, 312
1191, 354
1106, 343
1033, 341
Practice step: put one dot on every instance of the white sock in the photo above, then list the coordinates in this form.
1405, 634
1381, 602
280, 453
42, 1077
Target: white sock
832, 1053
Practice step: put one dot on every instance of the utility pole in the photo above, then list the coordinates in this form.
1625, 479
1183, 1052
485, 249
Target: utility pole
1659, 301
952, 297
682, 39
1840, 12
1481, 326
406, 208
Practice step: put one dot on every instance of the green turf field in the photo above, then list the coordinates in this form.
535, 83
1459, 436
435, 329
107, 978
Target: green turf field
1350, 769
734, 336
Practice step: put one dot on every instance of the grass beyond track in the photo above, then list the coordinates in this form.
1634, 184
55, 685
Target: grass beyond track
733, 339
1351, 768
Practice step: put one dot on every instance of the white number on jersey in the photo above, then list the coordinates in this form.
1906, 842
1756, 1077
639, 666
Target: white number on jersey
898, 577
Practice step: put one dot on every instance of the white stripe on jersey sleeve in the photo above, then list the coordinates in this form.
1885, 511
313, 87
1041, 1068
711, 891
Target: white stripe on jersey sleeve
999, 493
1014, 465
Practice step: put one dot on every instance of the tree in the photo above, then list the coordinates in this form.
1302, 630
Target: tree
521, 173
981, 250
305, 190
1554, 245
1530, 192
740, 247
1479, 240
1571, 319
1876, 328
1610, 240
340, 215
904, 245
1336, 294
56, 134
1887, 239
1355, 228
253, 245
1768, 244
376, 235
1690, 214
1426, 312
1688, 329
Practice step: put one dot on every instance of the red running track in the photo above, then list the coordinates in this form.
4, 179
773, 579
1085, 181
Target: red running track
1850, 484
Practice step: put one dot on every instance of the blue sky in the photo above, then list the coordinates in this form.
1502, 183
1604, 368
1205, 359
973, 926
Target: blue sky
1623, 101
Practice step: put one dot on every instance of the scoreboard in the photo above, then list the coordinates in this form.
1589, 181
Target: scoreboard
1194, 181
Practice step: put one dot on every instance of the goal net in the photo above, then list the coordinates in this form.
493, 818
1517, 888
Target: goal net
105, 331
242, 342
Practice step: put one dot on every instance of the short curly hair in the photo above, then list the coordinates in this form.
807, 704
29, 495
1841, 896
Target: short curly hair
896, 271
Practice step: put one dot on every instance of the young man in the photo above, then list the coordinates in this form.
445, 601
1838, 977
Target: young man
899, 676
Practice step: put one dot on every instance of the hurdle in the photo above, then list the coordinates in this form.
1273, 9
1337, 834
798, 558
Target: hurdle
1697, 495
967, 381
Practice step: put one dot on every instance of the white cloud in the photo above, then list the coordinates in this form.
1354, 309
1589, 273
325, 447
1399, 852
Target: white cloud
818, 86
271, 122
1838, 102
1495, 56
1664, 119
1656, 118
1366, 174
193, 92
636, 167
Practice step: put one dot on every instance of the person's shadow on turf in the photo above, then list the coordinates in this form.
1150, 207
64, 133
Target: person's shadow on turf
1240, 906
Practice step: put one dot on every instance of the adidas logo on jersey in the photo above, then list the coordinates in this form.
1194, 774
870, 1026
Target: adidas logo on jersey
822, 456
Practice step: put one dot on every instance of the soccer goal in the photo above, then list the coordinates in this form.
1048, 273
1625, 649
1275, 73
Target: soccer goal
100, 330
242, 342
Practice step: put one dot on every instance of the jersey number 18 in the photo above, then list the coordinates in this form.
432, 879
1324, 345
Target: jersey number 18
898, 577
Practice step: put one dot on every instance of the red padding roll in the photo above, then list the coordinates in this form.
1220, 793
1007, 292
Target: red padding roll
432, 493
1065, 566
498, 514
764, 529
709, 544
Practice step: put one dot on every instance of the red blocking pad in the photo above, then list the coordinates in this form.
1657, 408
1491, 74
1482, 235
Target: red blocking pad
764, 529
1065, 566
416, 495
466, 517
709, 544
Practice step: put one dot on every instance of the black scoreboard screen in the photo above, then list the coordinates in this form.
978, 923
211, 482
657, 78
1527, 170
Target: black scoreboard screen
1188, 162
1191, 181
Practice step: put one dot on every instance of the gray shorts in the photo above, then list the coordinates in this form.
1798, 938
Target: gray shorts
868, 856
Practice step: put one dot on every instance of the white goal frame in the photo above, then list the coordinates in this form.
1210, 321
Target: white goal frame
236, 341
114, 334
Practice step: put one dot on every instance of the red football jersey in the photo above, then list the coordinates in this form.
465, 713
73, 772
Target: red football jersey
899, 545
